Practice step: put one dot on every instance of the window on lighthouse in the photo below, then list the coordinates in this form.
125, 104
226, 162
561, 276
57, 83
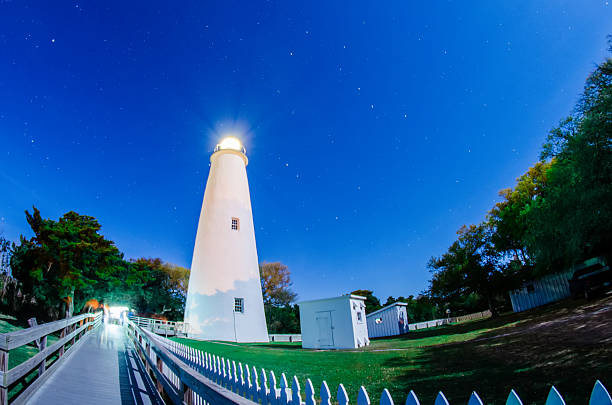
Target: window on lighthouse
235, 224
239, 305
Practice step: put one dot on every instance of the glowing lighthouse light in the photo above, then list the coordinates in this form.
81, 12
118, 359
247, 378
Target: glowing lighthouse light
230, 142
224, 300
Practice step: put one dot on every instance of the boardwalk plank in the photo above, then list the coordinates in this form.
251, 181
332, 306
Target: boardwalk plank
104, 370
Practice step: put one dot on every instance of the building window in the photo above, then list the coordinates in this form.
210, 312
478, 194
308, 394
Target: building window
359, 317
235, 224
239, 305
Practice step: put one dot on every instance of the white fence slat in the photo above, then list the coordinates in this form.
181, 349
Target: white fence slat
285, 395
475, 399
513, 399
342, 396
554, 398
599, 395
241, 380
325, 394
247, 381
273, 394
255, 386
236, 380
263, 394
310, 399
385, 398
362, 397
441, 399
296, 398
412, 399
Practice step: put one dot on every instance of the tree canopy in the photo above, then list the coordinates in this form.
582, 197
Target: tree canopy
558, 214
68, 262
276, 284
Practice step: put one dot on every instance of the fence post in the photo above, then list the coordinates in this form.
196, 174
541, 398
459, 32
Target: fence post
160, 367
43, 365
4, 359
187, 393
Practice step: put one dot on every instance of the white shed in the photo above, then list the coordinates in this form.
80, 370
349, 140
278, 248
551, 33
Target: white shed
334, 323
388, 321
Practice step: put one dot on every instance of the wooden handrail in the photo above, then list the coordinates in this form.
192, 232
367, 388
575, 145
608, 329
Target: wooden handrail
69, 333
185, 381
12, 340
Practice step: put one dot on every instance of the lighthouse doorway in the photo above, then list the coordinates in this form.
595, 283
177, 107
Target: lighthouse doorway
326, 328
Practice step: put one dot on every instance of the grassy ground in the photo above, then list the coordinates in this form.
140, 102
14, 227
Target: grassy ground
568, 344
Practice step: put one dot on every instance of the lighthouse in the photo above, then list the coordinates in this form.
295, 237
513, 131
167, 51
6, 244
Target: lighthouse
224, 299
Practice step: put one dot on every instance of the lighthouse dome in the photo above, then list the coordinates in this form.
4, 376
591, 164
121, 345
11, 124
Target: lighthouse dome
230, 143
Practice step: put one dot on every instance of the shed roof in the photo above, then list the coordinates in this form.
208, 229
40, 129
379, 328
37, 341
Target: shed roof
342, 297
395, 304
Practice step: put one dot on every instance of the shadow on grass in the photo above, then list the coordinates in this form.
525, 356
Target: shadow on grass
571, 355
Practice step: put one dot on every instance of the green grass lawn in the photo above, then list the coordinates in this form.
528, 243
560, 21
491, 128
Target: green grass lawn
567, 345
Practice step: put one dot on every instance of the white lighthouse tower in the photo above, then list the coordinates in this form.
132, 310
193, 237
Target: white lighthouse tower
224, 300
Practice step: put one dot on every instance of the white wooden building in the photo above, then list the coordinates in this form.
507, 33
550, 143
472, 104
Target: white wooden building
334, 323
388, 321
540, 292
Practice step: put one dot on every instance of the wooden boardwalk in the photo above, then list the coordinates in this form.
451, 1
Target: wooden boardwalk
103, 370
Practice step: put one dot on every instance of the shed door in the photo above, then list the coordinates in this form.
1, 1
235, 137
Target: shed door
324, 324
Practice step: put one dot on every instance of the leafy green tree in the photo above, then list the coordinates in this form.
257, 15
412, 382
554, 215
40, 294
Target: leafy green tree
67, 262
468, 267
372, 302
5, 256
419, 309
276, 284
507, 218
572, 219
284, 319
281, 316
164, 288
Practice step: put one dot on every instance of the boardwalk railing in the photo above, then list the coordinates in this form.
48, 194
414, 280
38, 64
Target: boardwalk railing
259, 386
71, 331
161, 327
176, 380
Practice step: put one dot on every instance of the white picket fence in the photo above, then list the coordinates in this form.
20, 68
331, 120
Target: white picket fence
285, 337
447, 321
261, 386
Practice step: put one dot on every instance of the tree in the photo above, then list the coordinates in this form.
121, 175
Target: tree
276, 284
67, 261
507, 218
164, 289
372, 303
572, 219
468, 267
281, 316
419, 309
5, 256
283, 319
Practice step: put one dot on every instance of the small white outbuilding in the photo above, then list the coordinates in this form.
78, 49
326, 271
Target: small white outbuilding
334, 323
388, 321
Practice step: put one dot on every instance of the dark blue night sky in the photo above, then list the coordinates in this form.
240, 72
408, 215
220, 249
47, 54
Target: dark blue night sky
374, 130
